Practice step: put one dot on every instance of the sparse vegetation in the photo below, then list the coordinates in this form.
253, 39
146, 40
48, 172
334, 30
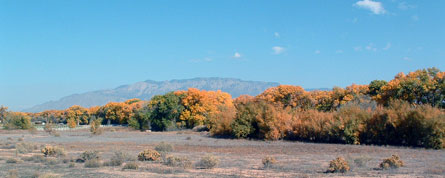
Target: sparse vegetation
207, 162
175, 161
164, 147
338, 165
53, 151
88, 155
392, 162
92, 163
24, 147
118, 158
12, 161
131, 165
268, 161
149, 155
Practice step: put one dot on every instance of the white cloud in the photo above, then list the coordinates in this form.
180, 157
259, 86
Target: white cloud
358, 48
278, 49
406, 58
388, 45
197, 60
339, 51
317, 51
374, 6
276, 34
237, 55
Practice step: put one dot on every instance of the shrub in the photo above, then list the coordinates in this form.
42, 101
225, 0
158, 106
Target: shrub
49, 175
13, 174
88, 155
117, 159
51, 161
392, 162
208, 162
149, 155
131, 165
92, 163
71, 165
338, 165
25, 147
34, 158
268, 161
175, 161
12, 161
53, 151
95, 126
164, 147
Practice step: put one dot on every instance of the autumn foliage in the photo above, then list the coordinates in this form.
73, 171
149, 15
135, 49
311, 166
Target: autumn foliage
407, 110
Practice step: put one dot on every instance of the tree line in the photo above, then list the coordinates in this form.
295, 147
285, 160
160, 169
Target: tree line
407, 110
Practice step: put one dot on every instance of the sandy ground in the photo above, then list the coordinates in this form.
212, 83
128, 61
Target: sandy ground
237, 158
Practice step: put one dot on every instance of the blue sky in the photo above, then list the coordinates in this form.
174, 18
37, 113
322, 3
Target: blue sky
50, 49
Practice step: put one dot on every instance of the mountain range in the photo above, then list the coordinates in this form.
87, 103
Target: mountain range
149, 88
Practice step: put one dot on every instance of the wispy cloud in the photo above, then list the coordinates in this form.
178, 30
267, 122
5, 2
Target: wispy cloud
358, 48
197, 60
415, 18
237, 55
276, 34
278, 49
317, 51
339, 51
374, 6
405, 6
407, 59
370, 47
388, 45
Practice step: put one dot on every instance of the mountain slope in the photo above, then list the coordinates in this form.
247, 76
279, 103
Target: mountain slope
147, 89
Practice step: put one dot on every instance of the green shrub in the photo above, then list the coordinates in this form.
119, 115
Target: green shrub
131, 165
53, 151
117, 159
17, 121
268, 161
338, 165
95, 126
164, 147
174, 161
392, 162
51, 161
207, 162
34, 158
149, 155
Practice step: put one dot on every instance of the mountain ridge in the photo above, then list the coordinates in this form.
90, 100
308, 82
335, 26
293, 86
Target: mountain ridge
146, 89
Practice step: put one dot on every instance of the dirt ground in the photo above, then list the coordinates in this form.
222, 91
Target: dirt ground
237, 158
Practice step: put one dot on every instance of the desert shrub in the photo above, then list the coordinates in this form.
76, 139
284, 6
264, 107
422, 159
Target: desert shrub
149, 155
207, 162
219, 123
361, 161
164, 147
72, 165
88, 155
51, 161
95, 126
131, 165
17, 120
53, 151
348, 124
311, 125
34, 158
49, 175
338, 165
12, 161
175, 161
268, 161
21, 139
117, 159
92, 163
392, 162
200, 128
25, 147
13, 174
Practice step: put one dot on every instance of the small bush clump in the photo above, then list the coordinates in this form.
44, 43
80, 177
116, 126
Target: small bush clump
392, 162
49, 175
12, 161
53, 151
117, 159
149, 155
208, 162
92, 163
88, 155
268, 161
164, 147
25, 147
338, 165
174, 161
131, 165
